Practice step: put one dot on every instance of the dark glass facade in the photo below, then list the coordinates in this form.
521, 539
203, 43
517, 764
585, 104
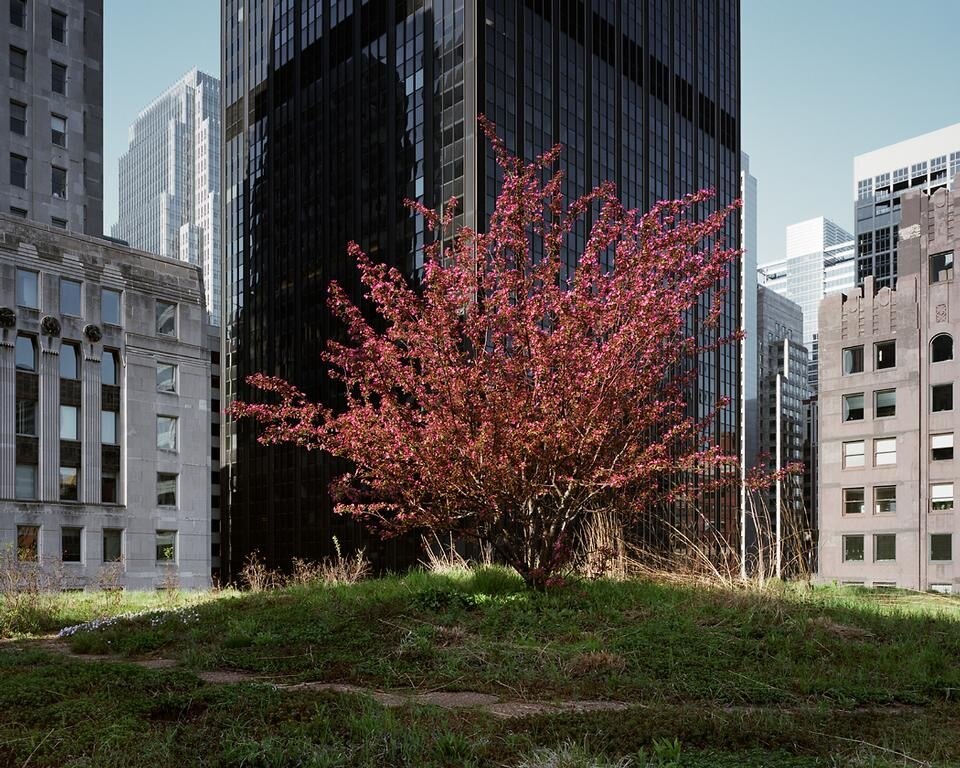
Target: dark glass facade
335, 110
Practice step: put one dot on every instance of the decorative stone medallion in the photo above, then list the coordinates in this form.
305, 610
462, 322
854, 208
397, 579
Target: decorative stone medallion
50, 326
93, 332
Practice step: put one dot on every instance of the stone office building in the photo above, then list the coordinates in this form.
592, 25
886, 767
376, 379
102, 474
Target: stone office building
888, 413
105, 398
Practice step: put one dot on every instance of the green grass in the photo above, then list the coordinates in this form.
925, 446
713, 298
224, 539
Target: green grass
794, 677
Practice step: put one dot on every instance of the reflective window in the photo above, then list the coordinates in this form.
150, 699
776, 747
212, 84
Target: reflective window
941, 447
166, 546
885, 451
28, 543
885, 500
885, 403
166, 318
26, 411
166, 377
853, 407
167, 433
69, 417
853, 454
70, 291
852, 501
941, 267
853, 360
109, 368
71, 544
166, 489
69, 361
69, 484
112, 545
109, 421
27, 289
109, 307
852, 548
941, 497
884, 547
25, 482
58, 130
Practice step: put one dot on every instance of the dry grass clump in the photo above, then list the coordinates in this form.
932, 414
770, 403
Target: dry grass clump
256, 576
592, 662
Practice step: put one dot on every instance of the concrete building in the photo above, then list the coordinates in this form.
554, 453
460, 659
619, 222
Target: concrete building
52, 113
819, 260
105, 388
888, 419
170, 180
880, 178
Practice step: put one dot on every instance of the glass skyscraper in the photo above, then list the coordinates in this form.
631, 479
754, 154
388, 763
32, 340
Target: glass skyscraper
336, 110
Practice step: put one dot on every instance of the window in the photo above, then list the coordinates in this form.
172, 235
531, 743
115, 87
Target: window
885, 403
27, 293
852, 501
884, 547
69, 297
108, 488
108, 427
941, 447
853, 407
59, 223
885, 451
112, 545
167, 433
941, 348
852, 549
941, 398
109, 307
166, 377
70, 544
18, 118
68, 422
941, 546
27, 418
69, 361
941, 265
166, 318
943, 589
853, 360
853, 454
58, 182
166, 489
885, 500
26, 353
18, 13
69, 483
886, 354
58, 130
25, 482
109, 367
166, 546
20, 212
58, 26
58, 78
941, 497
28, 543
18, 171
18, 64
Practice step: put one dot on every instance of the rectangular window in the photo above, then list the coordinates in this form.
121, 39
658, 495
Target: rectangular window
166, 318
885, 403
108, 427
18, 212
167, 433
59, 223
26, 417
18, 118
70, 297
941, 447
69, 418
852, 549
885, 451
58, 130
166, 377
108, 487
853, 407
853, 360
166, 546
886, 354
69, 484
112, 545
166, 489
941, 398
58, 78
852, 501
18, 13
941, 547
25, 482
109, 367
69, 361
27, 293
26, 353
58, 182
941, 267
18, 171
885, 500
28, 543
109, 307
71, 544
853, 454
18, 64
58, 26
941, 497
884, 547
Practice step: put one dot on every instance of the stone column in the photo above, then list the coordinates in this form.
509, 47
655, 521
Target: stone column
91, 452
8, 437
49, 418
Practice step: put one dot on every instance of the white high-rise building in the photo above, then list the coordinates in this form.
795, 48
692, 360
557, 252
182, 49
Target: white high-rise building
170, 180
819, 259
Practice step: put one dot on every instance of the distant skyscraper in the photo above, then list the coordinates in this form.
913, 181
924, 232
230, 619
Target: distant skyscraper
335, 112
748, 309
52, 113
170, 180
819, 260
928, 162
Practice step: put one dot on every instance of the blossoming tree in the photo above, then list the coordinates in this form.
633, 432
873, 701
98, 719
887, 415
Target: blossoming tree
500, 399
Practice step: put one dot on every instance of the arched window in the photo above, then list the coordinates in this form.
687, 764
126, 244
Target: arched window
941, 348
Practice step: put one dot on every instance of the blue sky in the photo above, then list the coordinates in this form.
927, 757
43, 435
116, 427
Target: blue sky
823, 80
